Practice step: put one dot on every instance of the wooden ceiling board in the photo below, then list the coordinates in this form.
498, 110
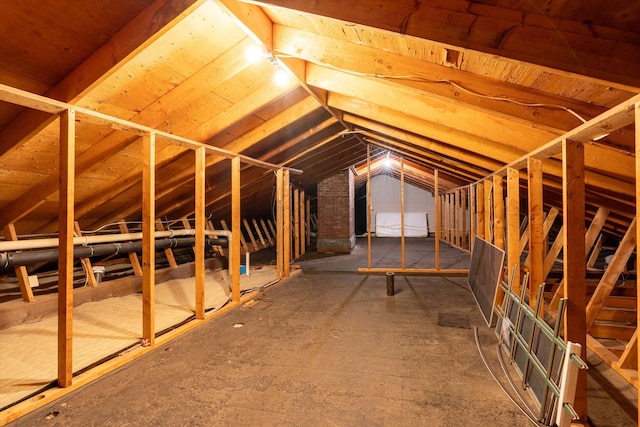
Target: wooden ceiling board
71, 34
621, 14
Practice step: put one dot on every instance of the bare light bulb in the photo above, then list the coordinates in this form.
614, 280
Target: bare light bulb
281, 78
254, 53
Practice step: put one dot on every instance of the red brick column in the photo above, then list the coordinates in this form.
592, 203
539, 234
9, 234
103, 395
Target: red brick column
336, 213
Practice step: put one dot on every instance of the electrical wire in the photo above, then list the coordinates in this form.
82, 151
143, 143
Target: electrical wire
510, 380
486, 364
111, 224
454, 84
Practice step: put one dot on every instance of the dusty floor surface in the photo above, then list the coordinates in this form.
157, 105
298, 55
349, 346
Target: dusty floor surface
316, 350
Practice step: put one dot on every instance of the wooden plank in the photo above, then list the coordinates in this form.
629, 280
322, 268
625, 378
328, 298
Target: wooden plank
200, 202
463, 217
417, 271
536, 222
481, 208
612, 331
133, 38
272, 228
86, 262
303, 234
595, 227
513, 226
456, 217
250, 233
266, 232
279, 224
479, 28
21, 271
65, 248
370, 207
637, 203
627, 316
452, 217
629, 357
308, 218
402, 257
436, 193
286, 220
148, 239
234, 262
259, 232
612, 273
472, 216
594, 230
296, 223
498, 211
553, 253
133, 257
573, 231
611, 359
595, 252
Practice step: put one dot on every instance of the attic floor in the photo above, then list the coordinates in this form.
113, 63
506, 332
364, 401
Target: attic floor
329, 348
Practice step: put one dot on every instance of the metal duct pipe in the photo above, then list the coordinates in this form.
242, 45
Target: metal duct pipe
20, 245
11, 259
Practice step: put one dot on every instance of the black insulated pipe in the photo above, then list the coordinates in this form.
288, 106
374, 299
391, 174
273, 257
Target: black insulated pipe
12, 259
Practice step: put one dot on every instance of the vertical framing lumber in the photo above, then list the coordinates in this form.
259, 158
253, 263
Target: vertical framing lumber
480, 210
286, 219
66, 191
457, 241
133, 256
148, 238
308, 218
402, 260
296, 223
451, 221
463, 218
513, 225
279, 224
235, 230
637, 126
498, 211
369, 206
436, 192
488, 210
573, 207
536, 232
21, 271
303, 237
200, 203
472, 217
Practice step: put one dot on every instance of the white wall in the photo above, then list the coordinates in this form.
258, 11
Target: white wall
385, 197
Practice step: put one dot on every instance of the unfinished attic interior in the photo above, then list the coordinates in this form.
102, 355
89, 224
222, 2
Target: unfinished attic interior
165, 164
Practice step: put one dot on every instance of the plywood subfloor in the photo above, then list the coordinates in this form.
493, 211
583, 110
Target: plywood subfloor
28, 352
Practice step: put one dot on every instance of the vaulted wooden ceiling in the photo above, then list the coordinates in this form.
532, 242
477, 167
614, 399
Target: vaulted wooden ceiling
461, 86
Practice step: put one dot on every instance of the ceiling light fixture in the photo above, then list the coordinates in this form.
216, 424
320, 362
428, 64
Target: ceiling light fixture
388, 162
281, 78
254, 54
599, 137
